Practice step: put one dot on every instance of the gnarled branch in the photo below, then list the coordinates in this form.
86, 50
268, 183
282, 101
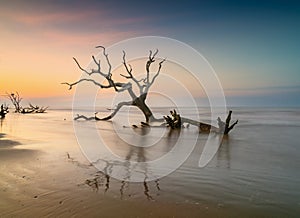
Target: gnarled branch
151, 59
129, 72
115, 111
155, 76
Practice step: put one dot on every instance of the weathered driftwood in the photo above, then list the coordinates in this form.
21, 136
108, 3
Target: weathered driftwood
137, 99
78, 117
33, 109
225, 127
3, 110
176, 122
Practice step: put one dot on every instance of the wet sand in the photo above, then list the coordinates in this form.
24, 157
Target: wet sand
38, 178
42, 174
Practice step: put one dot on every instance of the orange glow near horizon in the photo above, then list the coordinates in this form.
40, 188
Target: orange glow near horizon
36, 54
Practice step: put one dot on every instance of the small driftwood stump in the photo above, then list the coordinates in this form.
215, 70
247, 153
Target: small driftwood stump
175, 121
225, 127
3, 111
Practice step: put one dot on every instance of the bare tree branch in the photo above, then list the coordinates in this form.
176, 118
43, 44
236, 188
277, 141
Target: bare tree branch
119, 106
156, 75
151, 59
107, 60
231, 127
89, 80
84, 117
129, 71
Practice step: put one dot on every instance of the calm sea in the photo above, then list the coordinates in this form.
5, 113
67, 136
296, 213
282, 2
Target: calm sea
256, 167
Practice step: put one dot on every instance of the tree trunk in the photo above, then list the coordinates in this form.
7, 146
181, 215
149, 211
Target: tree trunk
141, 104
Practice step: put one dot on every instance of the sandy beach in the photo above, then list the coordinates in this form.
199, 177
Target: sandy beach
44, 173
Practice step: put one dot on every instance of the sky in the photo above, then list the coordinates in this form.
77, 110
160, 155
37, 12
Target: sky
253, 46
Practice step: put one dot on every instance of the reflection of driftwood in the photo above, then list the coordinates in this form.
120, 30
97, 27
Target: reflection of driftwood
98, 181
101, 179
3, 110
147, 191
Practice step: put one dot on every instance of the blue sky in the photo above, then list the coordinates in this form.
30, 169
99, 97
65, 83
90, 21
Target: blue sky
252, 45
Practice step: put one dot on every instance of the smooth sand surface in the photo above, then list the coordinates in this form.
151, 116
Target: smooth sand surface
38, 182
43, 173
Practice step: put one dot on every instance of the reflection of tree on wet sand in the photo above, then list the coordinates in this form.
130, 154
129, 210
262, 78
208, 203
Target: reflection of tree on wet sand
135, 155
102, 179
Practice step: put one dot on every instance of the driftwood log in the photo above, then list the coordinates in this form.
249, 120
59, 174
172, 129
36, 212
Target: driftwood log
33, 109
175, 122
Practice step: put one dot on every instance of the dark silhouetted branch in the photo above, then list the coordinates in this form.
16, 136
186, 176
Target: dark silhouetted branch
225, 127
115, 111
15, 100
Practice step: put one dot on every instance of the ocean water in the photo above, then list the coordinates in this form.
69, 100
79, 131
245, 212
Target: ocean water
256, 168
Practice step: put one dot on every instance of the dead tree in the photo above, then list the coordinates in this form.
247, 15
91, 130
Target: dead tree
15, 100
137, 99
